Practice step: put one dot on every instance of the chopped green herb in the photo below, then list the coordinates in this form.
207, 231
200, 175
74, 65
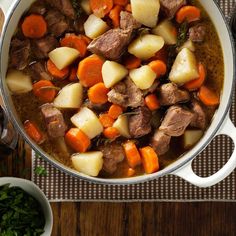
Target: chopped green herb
77, 7
39, 170
182, 34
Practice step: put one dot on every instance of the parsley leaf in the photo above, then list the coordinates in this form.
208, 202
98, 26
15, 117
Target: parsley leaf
39, 170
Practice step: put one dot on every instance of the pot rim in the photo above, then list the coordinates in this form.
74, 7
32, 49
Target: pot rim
119, 181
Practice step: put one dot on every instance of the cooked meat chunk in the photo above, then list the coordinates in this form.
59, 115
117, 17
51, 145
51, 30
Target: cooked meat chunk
127, 21
96, 107
176, 121
113, 154
19, 53
42, 47
126, 94
37, 71
197, 33
64, 6
54, 120
199, 119
57, 23
170, 94
152, 89
160, 142
111, 44
38, 7
140, 124
170, 7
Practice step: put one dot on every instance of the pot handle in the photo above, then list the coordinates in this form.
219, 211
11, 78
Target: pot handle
187, 173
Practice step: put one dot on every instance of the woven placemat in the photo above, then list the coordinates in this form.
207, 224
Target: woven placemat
59, 186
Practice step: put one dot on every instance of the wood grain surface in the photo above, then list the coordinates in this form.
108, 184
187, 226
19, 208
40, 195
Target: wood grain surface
131, 219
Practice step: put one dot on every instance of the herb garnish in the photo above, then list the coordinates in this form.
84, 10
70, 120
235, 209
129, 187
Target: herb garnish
77, 7
20, 213
41, 171
182, 35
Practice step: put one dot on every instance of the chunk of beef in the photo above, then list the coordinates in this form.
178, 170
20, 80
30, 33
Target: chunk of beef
197, 33
170, 94
160, 142
140, 124
41, 47
57, 23
96, 107
126, 94
64, 6
199, 119
38, 7
37, 71
111, 44
113, 154
170, 7
176, 121
127, 21
19, 53
54, 120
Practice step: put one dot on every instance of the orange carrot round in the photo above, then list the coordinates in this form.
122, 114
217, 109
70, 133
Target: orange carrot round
42, 92
33, 132
90, 71
76, 42
115, 111
55, 72
73, 74
101, 7
115, 16
128, 8
121, 2
97, 94
188, 13
132, 62
34, 26
152, 102
159, 67
132, 154
86, 39
130, 172
208, 97
111, 132
106, 120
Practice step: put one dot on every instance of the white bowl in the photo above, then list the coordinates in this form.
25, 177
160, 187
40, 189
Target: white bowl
37, 193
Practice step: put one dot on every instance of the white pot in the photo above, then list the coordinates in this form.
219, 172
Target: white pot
221, 123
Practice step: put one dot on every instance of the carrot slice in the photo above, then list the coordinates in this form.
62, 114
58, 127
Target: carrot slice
106, 120
132, 62
132, 154
208, 97
73, 76
159, 67
152, 102
77, 140
130, 172
76, 42
90, 71
115, 111
128, 8
55, 72
44, 90
197, 83
98, 93
188, 13
86, 39
33, 131
115, 15
160, 55
111, 132
149, 159
34, 26
101, 7
121, 2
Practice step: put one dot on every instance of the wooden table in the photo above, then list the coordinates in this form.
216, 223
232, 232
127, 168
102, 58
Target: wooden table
134, 219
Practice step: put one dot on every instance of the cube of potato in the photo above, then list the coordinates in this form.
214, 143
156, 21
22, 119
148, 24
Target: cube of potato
71, 96
122, 125
112, 73
88, 122
146, 12
188, 44
166, 30
86, 6
143, 77
184, 68
145, 46
191, 137
63, 56
89, 163
18, 82
95, 27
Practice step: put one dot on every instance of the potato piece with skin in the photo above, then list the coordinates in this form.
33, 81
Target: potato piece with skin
185, 67
88, 122
89, 163
95, 26
188, 44
112, 73
145, 46
71, 96
146, 12
18, 82
122, 125
167, 31
143, 77
63, 56
191, 137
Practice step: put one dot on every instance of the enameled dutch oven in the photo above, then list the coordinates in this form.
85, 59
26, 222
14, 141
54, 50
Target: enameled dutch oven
221, 123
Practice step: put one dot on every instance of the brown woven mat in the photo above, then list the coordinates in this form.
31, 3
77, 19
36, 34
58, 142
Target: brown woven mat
59, 186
